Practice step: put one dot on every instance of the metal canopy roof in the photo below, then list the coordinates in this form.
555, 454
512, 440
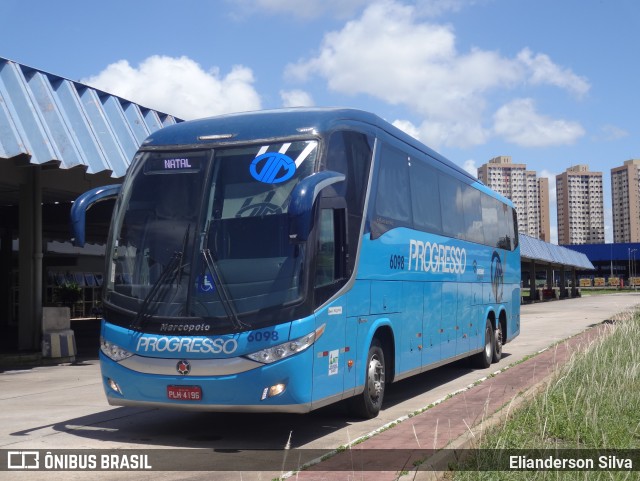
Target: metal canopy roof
54, 120
538, 250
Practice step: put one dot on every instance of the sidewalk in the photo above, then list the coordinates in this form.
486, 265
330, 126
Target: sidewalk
453, 423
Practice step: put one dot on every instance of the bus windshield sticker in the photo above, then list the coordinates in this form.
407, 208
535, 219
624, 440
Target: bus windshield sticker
277, 167
205, 283
272, 168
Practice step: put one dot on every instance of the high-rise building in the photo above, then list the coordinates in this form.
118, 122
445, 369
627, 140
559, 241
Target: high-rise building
625, 201
580, 206
529, 193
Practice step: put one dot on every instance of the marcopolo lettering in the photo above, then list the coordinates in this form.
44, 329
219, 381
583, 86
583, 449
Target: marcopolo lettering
434, 257
193, 345
200, 327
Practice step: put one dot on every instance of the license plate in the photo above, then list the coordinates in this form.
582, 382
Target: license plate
184, 393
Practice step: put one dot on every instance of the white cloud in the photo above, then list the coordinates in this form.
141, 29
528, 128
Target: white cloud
552, 186
553, 207
296, 98
613, 132
450, 132
408, 128
389, 54
471, 167
553, 232
519, 122
179, 86
544, 71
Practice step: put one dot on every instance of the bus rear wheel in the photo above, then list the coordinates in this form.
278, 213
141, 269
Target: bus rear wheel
367, 405
497, 343
484, 358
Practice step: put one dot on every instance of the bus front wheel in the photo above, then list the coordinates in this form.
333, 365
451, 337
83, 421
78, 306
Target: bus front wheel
483, 358
367, 405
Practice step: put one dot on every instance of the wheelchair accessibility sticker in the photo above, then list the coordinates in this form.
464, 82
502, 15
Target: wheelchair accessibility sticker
205, 284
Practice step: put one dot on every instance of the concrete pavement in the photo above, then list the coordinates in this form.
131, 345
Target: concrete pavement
64, 406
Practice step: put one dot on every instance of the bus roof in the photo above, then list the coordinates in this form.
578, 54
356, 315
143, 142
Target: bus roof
268, 124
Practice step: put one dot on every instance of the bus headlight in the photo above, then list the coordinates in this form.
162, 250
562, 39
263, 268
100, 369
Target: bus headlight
286, 349
113, 351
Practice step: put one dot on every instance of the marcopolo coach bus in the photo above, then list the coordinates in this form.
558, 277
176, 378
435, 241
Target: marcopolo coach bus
279, 261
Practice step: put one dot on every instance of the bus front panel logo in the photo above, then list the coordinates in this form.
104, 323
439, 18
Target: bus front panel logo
272, 168
183, 367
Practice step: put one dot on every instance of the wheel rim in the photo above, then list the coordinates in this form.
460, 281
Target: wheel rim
375, 376
498, 346
487, 342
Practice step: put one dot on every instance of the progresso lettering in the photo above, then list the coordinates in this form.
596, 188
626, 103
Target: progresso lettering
430, 256
201, 345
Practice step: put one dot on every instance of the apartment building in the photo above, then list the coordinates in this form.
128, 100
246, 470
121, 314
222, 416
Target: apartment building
625, 201
528, 192
580, 204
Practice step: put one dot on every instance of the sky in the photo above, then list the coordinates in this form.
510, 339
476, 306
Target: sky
551, 83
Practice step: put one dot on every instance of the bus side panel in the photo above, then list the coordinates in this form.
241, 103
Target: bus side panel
464, 317
432, 323
513, 322
409, 330
476, 340
449, 314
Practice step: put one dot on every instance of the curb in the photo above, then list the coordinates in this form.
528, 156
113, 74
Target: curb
31, 359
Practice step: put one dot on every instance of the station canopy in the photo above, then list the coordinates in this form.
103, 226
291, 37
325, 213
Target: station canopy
536, 250
61, 138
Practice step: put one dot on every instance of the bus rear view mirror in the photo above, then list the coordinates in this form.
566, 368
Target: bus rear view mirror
82, 204
303, 198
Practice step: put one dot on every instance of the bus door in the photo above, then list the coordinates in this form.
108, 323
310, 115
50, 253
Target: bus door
331, 352
335, 345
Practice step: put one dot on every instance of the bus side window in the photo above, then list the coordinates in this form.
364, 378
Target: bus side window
472, 214
451, 205
325, 266
392, 208
505, 226
425, 198
490, 220
331, 262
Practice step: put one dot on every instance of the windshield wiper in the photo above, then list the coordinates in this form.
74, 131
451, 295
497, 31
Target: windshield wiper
173, 268
227, 304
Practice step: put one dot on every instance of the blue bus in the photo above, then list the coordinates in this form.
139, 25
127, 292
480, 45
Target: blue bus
280, 261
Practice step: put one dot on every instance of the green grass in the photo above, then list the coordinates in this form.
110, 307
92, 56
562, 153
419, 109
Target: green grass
591, 403
595, 291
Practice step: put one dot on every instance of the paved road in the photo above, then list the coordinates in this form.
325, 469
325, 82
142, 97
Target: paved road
63, 407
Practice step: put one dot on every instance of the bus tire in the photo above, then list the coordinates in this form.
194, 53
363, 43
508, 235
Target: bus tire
367, 405
483, 358
497, 343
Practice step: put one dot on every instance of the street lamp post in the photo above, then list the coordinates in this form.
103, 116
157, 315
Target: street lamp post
632, 266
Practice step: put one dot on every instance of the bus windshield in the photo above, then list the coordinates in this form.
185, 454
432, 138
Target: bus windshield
201, 239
